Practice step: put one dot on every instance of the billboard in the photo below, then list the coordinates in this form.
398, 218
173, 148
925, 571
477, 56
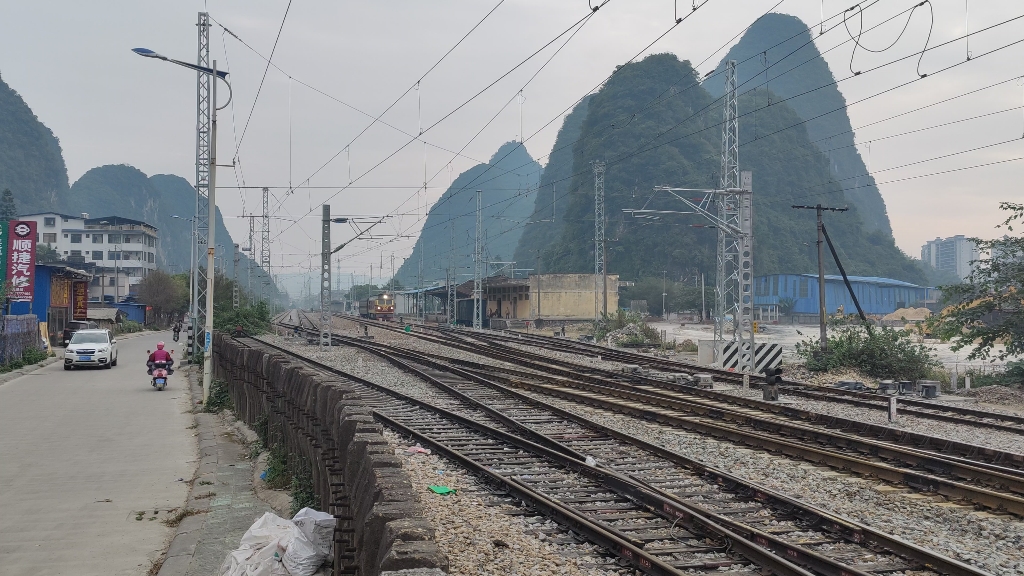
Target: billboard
60, 292
21, 260
79, 300
4, 231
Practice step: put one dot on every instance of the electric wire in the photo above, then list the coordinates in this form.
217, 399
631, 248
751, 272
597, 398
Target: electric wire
262, 80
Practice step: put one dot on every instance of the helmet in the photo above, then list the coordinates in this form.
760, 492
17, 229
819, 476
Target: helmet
159, 345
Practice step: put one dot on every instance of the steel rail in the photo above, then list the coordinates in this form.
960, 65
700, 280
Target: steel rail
615, 542
846, 528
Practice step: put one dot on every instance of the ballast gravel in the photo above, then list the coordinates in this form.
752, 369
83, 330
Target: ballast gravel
482, 536
993, 543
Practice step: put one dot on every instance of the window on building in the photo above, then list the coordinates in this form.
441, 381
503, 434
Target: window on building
113, 238
111, 255
803, 287
49, 222
97, 255
97, 238
152, 258
95, 281
76, 238
76, 253
49, 237
775, 285
112, 281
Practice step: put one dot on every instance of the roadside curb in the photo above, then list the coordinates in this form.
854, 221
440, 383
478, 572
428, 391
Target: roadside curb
15, 374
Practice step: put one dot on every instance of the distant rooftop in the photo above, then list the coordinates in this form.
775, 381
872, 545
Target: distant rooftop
117, 221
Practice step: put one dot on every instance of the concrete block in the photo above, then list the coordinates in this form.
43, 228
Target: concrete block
411, 555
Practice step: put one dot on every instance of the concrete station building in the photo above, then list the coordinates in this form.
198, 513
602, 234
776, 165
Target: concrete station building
539, 298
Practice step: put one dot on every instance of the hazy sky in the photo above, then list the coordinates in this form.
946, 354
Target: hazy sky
71, 61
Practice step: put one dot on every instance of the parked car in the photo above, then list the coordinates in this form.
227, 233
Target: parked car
91, 347
75, 326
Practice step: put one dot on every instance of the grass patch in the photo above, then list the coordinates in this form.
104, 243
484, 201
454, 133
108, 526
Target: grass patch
278, 475
880, 352
205, 483
205, 496
219, 398
174, 519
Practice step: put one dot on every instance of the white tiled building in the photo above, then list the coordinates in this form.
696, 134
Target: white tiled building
122, 250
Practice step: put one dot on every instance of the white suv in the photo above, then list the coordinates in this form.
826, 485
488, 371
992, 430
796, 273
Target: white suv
91, 348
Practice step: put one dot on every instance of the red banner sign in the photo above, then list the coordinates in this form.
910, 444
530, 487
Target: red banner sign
79, 300
21, 260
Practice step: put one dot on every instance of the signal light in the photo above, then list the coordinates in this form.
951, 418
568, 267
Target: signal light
773, 376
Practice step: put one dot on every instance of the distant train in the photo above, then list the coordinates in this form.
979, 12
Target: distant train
381, 307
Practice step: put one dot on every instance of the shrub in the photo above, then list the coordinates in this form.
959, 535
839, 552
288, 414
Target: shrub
877, 352
302, 489
131, 326
253, 319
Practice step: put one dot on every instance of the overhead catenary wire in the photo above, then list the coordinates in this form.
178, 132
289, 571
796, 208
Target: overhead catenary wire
262, 80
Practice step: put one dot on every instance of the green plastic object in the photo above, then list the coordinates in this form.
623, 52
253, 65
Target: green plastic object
408, 327
442, 490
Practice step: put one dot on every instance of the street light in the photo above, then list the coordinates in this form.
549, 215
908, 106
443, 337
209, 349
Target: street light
211, 241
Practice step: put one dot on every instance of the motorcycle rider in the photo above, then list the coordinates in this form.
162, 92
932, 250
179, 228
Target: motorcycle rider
160, 355
177, 329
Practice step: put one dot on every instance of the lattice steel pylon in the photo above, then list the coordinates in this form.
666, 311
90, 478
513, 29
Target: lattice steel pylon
234, 288
252, 256
733, 282
600, 305
478, 264
204, 104
325, 279
265, 235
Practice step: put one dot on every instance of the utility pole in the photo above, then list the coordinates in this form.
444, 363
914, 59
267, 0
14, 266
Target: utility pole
202, 216
822, 312
234, 287
599, 263
265, 234
211, 246
664, 292
325, 279
478, 257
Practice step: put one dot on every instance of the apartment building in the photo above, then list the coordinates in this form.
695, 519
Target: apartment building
954, 254
119, 251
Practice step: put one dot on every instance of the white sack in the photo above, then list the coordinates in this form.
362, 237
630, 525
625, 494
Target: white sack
318, 528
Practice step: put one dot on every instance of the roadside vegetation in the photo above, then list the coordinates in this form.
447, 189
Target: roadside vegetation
881, 352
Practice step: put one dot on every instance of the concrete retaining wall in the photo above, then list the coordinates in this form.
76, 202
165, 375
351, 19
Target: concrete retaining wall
320, 419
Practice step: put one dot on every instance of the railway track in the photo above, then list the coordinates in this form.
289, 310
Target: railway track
673, 514
958, 471
908, 405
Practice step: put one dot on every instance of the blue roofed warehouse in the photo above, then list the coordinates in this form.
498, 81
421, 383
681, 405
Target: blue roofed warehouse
877, 296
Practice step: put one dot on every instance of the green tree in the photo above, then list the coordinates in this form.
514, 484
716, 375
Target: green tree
987, 307
8, 209
47, 255
161, 291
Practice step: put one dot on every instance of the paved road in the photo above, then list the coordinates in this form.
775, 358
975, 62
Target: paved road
80, 453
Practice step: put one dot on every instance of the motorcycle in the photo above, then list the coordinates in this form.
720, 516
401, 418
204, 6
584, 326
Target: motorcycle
175, 335
160, 372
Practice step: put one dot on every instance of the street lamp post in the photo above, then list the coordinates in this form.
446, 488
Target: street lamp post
211, 246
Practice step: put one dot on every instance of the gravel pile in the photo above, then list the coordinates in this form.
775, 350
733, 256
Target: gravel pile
481, 536
997, 439
798, 373
1004, 395
994, 543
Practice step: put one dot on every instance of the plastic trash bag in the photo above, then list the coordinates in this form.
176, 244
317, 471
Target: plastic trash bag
302, 558
318, 528
273, 546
